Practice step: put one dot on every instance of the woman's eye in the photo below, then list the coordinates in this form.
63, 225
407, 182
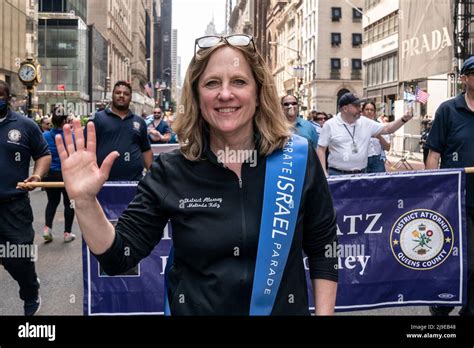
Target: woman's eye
212, 83
239, 82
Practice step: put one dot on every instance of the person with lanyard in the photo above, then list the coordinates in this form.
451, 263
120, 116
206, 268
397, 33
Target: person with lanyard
235, 253
59, 118
347, 136
378, 145
158, 130
118, 129
302, 127
451, 145
20, 140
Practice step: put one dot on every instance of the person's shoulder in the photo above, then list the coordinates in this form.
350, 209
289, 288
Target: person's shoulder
170, 161
452, 103
139, 119
26, 122
171, 156
330, 123
98, 115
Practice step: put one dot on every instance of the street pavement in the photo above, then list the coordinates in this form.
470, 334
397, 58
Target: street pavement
60, 270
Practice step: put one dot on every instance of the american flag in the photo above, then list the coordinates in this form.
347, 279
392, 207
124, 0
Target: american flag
149, 89
421, 95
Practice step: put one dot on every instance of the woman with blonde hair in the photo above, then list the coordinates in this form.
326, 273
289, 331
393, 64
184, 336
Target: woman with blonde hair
244, 196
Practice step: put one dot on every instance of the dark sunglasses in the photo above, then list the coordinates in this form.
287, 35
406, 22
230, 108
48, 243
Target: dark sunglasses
290, 104
241, 40
320, 118
157, 113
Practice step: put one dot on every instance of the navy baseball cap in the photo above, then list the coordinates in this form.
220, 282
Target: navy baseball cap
468, 65
349, 98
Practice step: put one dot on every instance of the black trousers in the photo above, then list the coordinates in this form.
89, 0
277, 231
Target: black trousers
468, 308
16, 228
54, 197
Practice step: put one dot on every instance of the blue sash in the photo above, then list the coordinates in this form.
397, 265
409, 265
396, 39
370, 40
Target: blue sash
284, 180
166, 302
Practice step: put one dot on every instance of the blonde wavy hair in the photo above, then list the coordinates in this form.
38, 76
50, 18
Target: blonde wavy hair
269, 120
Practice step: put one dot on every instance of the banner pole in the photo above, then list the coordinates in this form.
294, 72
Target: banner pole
41, 184
469, 170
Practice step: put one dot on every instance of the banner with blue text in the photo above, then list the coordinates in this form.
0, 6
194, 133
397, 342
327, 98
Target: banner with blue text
402, 242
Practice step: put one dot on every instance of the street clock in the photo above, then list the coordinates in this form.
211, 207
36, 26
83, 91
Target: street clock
29, 72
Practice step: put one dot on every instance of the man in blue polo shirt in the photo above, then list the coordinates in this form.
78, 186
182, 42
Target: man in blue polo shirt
118, 129
20, 140
158, 129
451, 140
303, 128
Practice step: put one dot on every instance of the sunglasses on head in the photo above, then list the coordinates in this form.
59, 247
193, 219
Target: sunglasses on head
241, 40
290, 104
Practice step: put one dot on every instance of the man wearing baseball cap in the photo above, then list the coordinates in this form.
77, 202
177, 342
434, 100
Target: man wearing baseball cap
451, 141
347, 136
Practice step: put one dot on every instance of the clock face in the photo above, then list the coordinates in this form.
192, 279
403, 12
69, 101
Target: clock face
27, 73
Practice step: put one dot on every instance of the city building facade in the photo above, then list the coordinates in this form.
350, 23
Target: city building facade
113, 19
63, 53
17, 42
315, 50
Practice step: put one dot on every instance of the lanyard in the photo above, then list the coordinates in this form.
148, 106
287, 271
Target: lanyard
353, 133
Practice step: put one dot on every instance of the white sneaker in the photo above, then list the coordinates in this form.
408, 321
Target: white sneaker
69, 237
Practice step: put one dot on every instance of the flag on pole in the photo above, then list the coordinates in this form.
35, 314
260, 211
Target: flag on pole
421, 95
149, 89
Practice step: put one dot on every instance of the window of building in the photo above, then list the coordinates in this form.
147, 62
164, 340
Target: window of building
356, 15
381, 29
356, 73
381, 71
335, 64
335, 39
336, 14
356, 40
356, 64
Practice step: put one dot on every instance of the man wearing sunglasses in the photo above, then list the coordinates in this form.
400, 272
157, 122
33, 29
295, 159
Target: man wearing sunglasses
159, 131
290, 107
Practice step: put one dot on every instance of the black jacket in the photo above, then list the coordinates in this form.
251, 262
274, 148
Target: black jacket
215, 222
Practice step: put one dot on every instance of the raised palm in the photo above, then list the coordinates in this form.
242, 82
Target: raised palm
82, 176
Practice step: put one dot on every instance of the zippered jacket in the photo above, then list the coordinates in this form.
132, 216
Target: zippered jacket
215, 218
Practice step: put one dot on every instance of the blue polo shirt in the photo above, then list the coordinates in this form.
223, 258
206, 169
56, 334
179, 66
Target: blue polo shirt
162, 127
452, 136
306, 130
20, 140
128, 136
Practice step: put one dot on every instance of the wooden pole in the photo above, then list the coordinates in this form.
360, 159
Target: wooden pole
60, 184
41, 184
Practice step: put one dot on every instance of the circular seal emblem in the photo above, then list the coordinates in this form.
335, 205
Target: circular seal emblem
14, 135
421, 239
136, 126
